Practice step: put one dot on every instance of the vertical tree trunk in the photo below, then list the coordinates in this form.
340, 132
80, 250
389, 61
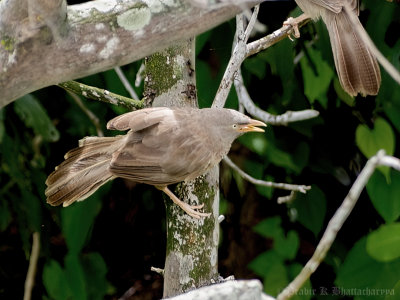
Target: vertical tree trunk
192, 245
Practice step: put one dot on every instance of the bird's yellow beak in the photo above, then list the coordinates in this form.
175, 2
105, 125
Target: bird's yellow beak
252, 126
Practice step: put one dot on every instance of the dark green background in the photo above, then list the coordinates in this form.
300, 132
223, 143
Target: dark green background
105, 245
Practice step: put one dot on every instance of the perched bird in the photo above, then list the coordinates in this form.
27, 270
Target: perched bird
356, 66
163, 146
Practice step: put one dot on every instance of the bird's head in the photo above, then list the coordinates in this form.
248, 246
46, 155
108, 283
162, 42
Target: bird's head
232, 124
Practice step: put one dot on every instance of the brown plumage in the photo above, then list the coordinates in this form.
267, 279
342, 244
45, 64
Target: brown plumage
356, 66
163, 146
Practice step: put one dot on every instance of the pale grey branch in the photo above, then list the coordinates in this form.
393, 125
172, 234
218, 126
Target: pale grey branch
126, 83
95, 36
252, 109
30, 276
283, 186
337, 221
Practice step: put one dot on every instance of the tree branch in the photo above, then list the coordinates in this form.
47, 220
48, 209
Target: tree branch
242, 51
96, 36
338, 219
98, 94
283, 186
252, 109
30, 276
126, 83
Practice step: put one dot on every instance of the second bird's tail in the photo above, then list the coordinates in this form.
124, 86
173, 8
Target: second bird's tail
357, 67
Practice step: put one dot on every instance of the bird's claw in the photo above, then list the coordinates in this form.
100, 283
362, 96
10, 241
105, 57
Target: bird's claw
295, 28
191, 210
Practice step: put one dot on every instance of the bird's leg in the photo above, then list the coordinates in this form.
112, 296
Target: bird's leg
294, 22
189, 209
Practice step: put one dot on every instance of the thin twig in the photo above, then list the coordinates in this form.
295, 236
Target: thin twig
271, 39
98, 94
242, 51
139, 75
338, 219
253, 110
287, 199
157, 270
237, 57
93, 118
30, 276
283, 186
252, 22
126, 83
371, 46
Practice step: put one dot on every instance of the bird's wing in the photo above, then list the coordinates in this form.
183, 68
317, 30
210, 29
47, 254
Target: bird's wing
336, 6
138, 162
190, 152
139, 119
165, 153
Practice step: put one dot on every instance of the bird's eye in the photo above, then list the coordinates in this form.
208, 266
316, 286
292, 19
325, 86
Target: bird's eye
234, 126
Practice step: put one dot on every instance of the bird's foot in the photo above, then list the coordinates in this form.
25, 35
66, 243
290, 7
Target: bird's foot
191, 210
295, 28
294, 23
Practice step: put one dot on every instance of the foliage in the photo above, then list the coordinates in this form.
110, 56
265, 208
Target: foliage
101, 247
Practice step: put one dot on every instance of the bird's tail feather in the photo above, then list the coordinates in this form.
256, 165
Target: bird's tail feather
84, 170
357, 67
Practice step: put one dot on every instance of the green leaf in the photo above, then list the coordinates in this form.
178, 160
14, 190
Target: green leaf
395, 291
270, 228
360, 271
392, 110
262, 264
276, 278
75, 276
287, 246
282, 159
311, 209
34, 116
55, 281
383, 244
95, 270
370, 141
280, 58
77, 220
385, 196
342, 95
317, 76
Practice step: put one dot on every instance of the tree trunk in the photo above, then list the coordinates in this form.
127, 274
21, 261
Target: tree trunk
192, 245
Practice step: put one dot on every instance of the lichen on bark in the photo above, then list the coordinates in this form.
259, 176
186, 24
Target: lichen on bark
191, 259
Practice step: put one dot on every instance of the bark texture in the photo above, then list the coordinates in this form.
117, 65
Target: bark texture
192, 244
45, 42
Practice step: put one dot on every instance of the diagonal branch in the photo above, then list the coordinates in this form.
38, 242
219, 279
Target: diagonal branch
98, 94
242, 51
95, 36
338, 219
